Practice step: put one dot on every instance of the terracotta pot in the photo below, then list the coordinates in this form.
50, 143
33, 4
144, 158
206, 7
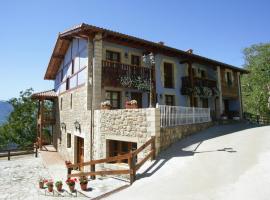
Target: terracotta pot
131, 106
41, 185
71, 188
50, 188
59, 188
83, 186
105, 107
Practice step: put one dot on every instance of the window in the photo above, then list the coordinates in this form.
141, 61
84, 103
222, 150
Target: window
61, 103
114, 98
68, 140
229, 79
113, 56
169, 100
204, 102
168, 75
72, 67
135, 60
116, 148
71, 101
203, 74
67, 83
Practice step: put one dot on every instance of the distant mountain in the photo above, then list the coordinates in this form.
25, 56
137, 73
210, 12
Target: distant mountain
5, 110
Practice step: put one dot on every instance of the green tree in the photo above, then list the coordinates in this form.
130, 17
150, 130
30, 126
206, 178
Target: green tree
21, 125
254, 84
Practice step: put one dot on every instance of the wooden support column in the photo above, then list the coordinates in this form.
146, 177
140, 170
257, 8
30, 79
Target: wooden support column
191, 79
153, 78
219, 111
239, 94
41, 123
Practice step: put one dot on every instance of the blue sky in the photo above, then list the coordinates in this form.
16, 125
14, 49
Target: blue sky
212, 28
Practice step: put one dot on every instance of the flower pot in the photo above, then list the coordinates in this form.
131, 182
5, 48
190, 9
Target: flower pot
131, 106
72, 188
105, 107
83, 186
50, 188
41, 185
59, 188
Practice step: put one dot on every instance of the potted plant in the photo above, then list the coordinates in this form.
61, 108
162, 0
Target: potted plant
83, 183
41, 182
71, 184
131, 104
59, 185
50, 185
106, 105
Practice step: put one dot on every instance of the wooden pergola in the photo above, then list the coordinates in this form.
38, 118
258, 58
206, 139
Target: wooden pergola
44, 117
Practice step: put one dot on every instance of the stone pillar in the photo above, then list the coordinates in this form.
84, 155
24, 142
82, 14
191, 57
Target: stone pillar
220, 105
153, 120
97, 70
239, 95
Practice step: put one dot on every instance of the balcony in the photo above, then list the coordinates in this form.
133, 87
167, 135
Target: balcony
198, 83
116, 74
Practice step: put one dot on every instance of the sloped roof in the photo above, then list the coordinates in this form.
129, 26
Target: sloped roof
85, 30
50, 94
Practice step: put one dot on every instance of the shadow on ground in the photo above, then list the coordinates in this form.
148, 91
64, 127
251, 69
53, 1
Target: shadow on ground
178, 149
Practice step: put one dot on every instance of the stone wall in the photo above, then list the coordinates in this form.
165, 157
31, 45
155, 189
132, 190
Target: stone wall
169, 135
68, 115
132, 125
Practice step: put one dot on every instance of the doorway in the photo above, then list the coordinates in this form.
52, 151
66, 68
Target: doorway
80, 150
138, 97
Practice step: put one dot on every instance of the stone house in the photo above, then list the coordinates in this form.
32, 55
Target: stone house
90, 65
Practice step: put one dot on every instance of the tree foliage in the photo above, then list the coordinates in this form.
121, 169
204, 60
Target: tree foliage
21, 125
254, 84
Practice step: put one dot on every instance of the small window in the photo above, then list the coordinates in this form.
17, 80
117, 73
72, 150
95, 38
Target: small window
114, 98
72, 67
229, 79
71, 101
204, 102
135, 60
68, 140
203, 74
113, 56
67, 83
116, 148
61, 103
168, 75
169, 100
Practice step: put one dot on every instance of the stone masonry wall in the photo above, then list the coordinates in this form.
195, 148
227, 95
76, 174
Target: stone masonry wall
169, 135
68, 115
132, 125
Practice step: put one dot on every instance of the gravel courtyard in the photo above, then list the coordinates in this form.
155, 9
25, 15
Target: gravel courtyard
221, 163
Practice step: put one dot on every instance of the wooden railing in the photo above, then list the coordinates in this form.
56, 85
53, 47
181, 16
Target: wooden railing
134, 165
18, 152
197, 82
262, 120
113, 71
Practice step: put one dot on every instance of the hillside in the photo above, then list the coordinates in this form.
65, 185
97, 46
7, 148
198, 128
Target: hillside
5, 110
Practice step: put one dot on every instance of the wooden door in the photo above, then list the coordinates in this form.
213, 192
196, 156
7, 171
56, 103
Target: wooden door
138, 97
80, 150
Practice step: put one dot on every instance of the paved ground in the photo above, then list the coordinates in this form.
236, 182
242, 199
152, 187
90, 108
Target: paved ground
19, 179
222, 163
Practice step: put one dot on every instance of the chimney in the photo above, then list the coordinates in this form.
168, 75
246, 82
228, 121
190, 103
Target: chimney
161, 43
189, 51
